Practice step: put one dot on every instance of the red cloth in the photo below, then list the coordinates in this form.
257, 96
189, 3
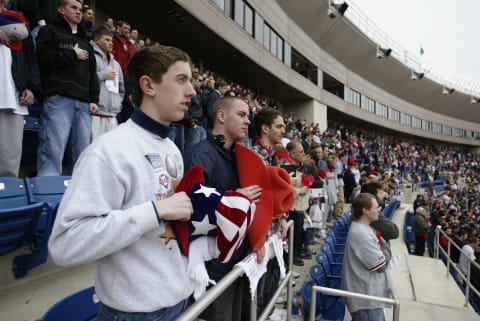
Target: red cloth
277, 192
307, 180
379, 238
322, 173
285, 156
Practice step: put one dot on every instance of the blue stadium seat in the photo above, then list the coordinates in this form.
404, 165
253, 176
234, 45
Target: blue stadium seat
80, 306
48, 189
318, 275
408, 234
339, 231
333, 258
390, 209
337, 246
327, 307
332, 272
20, 225
31, 128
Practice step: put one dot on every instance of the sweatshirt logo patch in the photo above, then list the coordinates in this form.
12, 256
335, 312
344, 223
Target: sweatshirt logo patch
155, 160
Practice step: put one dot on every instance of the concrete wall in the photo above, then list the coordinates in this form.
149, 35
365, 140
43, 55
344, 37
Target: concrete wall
311, 110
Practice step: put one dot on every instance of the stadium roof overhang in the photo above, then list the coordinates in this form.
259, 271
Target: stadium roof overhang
172, 25
339, 38
168, 21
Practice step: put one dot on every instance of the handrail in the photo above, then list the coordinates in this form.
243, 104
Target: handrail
466, 279
394, 301
195, 309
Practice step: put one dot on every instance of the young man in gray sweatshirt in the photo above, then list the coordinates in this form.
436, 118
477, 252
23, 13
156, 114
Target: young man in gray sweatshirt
121, 197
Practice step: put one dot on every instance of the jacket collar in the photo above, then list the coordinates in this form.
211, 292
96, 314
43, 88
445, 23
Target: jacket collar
149, 124
60, 21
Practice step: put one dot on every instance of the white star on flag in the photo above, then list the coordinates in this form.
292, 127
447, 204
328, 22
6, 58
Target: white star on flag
207, 191
203, 227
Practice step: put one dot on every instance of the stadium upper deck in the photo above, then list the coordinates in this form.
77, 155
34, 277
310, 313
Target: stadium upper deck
320, 67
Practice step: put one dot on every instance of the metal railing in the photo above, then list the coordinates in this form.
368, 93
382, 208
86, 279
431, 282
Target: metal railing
392, 301
198, 307
450, 264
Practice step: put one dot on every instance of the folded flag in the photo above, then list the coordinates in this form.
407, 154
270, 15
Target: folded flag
15, 26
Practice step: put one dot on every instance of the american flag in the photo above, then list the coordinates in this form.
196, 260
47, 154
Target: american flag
224, 215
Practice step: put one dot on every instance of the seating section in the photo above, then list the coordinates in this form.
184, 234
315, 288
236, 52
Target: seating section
80, 306
27, 209
328, 273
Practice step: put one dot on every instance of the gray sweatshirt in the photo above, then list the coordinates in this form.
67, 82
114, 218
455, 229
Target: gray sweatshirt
107, 216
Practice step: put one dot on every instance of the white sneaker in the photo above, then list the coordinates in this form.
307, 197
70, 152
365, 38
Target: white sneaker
296, 275
276, 315
281, 300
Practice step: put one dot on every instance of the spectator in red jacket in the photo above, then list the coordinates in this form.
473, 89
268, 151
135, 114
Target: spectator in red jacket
123, 49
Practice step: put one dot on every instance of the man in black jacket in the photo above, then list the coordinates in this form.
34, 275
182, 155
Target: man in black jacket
217, 156
386, 227
70, 84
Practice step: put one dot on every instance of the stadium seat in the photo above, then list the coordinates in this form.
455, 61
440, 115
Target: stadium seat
318, 275
20, 225
30, 140
408, 234
48, 189
340, 238
390, 209
337, 246
333, 258
327, 307
333, 273
338, 255
80, 306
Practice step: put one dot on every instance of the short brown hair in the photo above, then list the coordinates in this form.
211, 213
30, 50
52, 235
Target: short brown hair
153, 62
100, 31
363, 200
224, 102
63, 3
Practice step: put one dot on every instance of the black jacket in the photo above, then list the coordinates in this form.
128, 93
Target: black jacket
220, 171
25, 71
386, 227
62, 73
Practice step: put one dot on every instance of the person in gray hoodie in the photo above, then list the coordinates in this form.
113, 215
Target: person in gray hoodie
110, 79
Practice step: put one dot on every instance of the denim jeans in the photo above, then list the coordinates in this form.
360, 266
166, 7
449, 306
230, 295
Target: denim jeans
368, 315
176, 135
194, 136
62, 117
166, 314
309, 236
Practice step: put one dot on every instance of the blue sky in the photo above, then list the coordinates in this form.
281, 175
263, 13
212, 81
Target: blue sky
448, 30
